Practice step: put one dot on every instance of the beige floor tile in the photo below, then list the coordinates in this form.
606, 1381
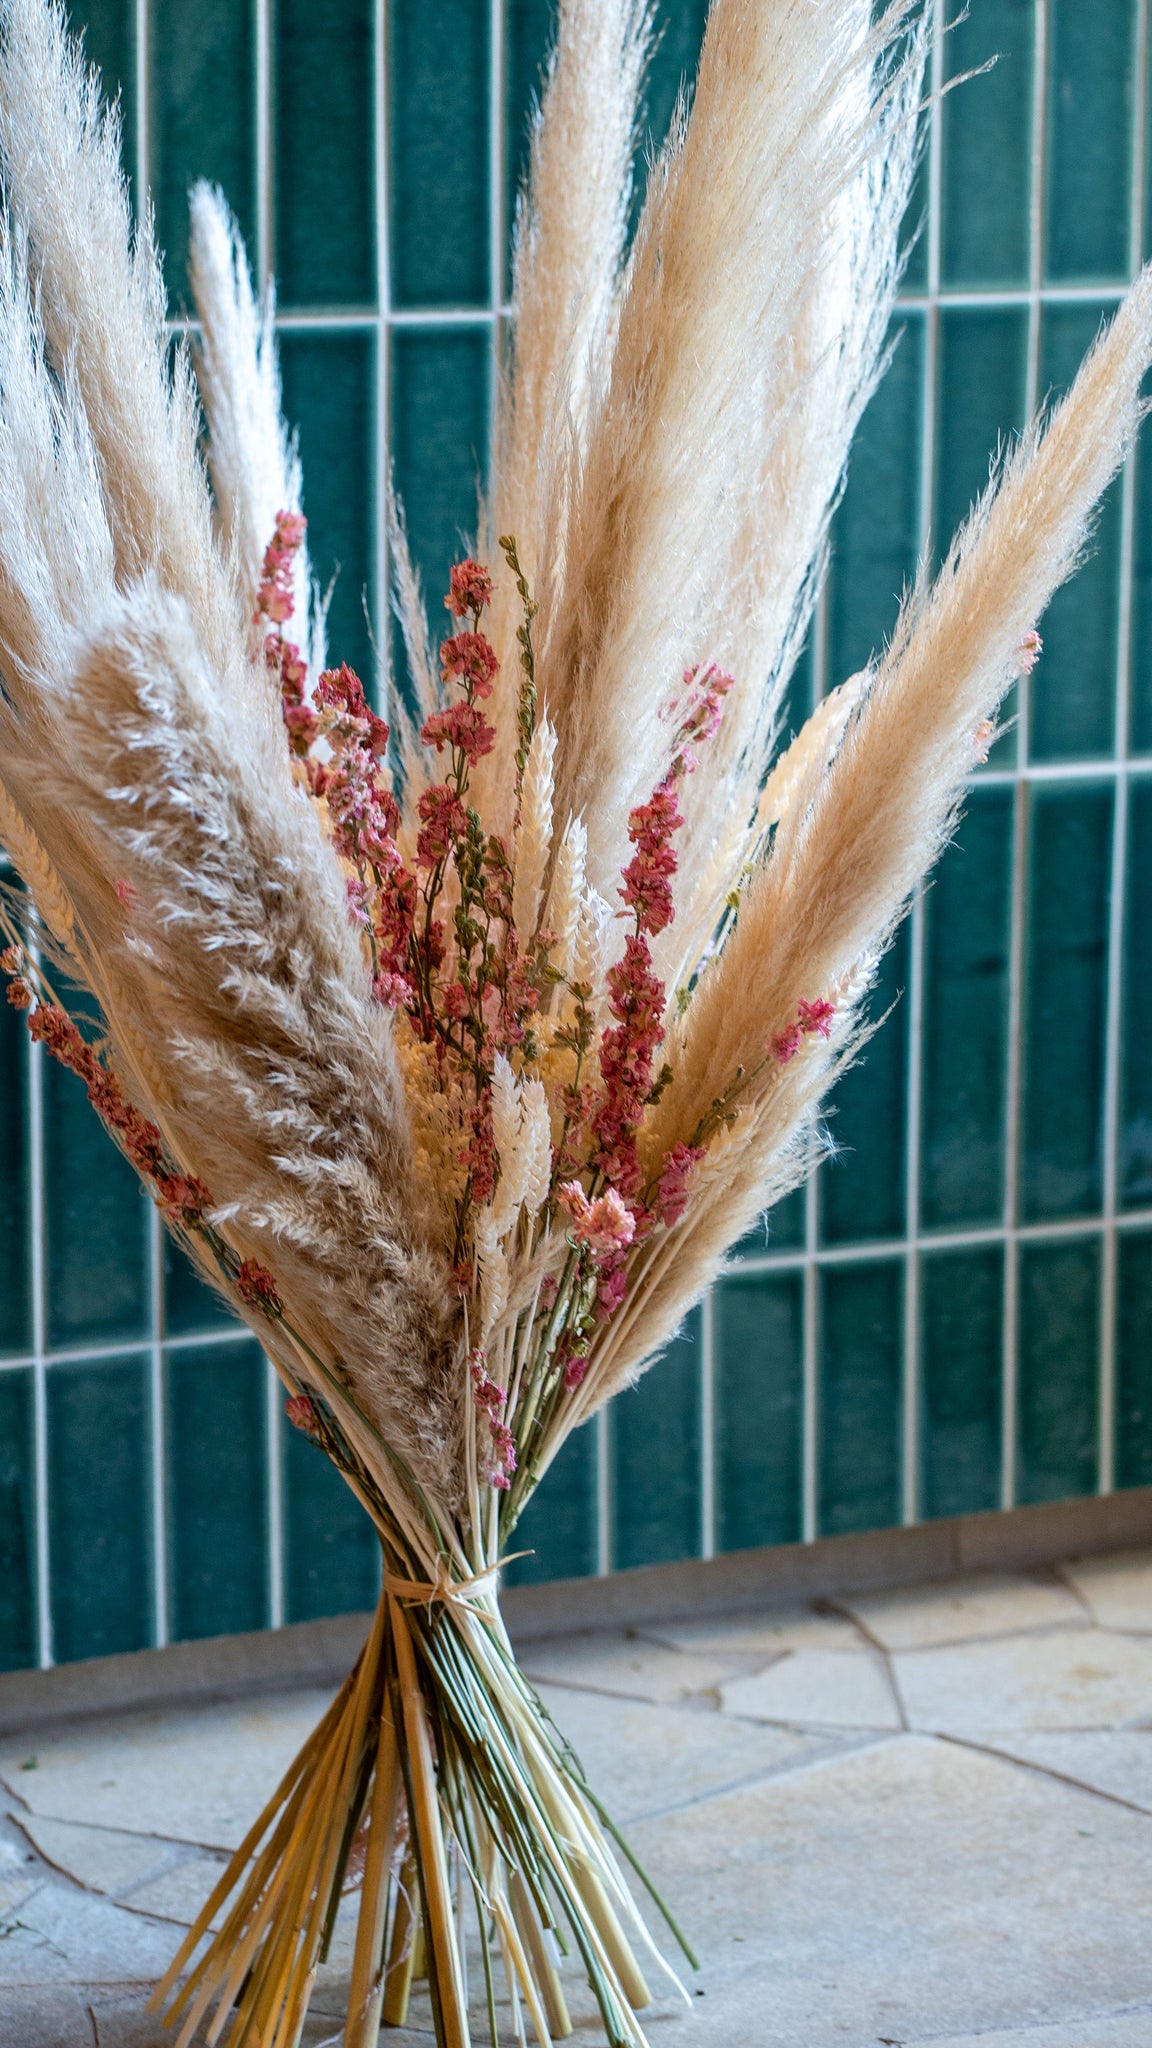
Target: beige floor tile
60, 1935
1098, 2030
1117, 1589
912, 1890
45, 2017
1070, 1679
827, 1688
178, 1893
195, 1775
760, 1635
1117, 1761
644, 1759
959, 1610
101, 1859
623, 1665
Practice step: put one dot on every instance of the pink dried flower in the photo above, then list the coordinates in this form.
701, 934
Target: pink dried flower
786, 1044
302, 1415
274, 598
469, 659
461, 727
470, 588
20, 993
255, 1285
672, 1187
1029, 650
604, 1226
443, 823
490, 1400
816, 1017
395, 991
647, 878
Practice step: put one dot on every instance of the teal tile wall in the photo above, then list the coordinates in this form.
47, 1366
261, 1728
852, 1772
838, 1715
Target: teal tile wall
957, 1313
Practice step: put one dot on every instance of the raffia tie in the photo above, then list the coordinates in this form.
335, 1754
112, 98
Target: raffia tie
444, 1590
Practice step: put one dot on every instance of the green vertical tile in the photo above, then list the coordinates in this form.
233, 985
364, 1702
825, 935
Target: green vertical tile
1088, 144
18, 1646
862, 1192
99, 1515
1074, 685
679, 32
964, 1045
330, 396
1059, 1344
109, 30
190, 1305
438, 104
1135, 1136
528, 30
783, 1229
1134, 1360
876, 531
654, 1431
331, 1554
759, 1376
439, 444
558, 1528
323, 140
15, 1259
861, 1307
1061, 1154
217, 1489
96, 1225
202, 89
986, 148
980, 394
961, 1364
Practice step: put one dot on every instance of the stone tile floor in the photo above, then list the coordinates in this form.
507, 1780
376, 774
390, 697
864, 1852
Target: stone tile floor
916, 1817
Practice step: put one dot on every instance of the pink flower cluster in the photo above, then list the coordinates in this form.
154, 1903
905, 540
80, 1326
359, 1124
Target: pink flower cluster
255, 1285
274, 598
183, 1198
672, 1186
490, 1400
469, 589
302, 1415
812, 1019
603, 1226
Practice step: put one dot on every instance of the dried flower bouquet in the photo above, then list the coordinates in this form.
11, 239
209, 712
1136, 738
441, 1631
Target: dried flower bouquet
456, 1057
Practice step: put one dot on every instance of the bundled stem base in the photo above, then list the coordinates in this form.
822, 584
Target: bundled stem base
437, 1769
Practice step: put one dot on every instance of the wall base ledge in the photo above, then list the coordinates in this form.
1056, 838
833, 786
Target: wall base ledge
319, 1653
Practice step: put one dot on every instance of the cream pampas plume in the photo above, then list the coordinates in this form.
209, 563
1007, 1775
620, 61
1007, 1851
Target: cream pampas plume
255, 467
566, 896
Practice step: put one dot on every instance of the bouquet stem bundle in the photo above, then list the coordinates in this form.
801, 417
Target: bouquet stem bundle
457, 1055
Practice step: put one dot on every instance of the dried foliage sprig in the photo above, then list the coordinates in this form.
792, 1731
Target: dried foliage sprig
458, 1054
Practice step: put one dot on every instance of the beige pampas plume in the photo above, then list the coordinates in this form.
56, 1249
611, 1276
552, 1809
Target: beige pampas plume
798, 771
103, 307
533, 833
750, 334
254, 464
842, 866
570, 234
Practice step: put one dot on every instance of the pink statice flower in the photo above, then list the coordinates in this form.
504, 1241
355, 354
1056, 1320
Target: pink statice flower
255, 1285
302, 1415
816, 1017
471, 660
461, 727
274, 598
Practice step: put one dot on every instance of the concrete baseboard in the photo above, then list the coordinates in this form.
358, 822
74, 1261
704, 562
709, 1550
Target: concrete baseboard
318, 1653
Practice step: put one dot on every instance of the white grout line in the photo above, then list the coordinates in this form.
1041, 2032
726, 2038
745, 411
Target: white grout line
496, 195
708, 1425
1113, 1047
264, 172
603, 1495
930, 1242
274, 1469
913, 1022
382, 623
157, 1407
143, 124
810, 1356
38, 1248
